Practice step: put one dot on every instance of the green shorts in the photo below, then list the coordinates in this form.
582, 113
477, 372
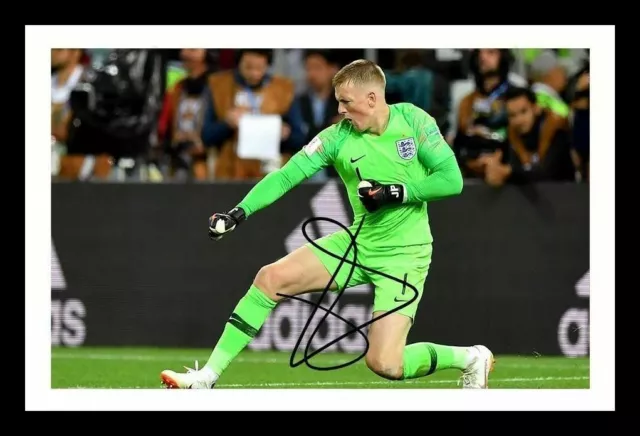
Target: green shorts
410, 263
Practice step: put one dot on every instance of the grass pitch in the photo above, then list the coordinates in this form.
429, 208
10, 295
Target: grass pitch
126, 368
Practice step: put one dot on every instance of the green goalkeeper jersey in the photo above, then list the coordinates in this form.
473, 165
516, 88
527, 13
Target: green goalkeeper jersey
410, 151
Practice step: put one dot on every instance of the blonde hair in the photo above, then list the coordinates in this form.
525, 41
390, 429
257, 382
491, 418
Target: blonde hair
360, 72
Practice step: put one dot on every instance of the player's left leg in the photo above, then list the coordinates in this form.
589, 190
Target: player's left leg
389, 356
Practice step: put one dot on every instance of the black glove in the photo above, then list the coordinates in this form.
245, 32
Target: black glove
374, 195
222, 223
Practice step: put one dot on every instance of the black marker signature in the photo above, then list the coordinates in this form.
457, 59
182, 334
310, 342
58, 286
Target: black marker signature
328, 311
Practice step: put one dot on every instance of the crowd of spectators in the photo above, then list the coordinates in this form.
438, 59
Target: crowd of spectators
511, 116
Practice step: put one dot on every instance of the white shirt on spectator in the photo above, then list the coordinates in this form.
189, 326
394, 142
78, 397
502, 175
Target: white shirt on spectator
60, 92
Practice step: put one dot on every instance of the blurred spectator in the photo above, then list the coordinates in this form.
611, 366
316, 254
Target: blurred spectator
549, 82
579, 98
482, 118
318, 103
249, 89
571, 59
539, 140
181, 119
67, 71
413, 82
290, 63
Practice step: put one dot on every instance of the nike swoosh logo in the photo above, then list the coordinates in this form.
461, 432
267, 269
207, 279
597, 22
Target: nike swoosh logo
356, 160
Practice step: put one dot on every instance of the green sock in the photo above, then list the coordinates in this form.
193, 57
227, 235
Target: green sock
244, 323
425, 358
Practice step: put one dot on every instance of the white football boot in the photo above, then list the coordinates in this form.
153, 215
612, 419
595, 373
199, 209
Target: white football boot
476, 374
192, 379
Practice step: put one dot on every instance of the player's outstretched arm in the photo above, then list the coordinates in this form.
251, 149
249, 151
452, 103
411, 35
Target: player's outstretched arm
301, 166
273, 186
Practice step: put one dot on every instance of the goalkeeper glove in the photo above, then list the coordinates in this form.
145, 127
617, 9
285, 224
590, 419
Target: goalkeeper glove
374, 195
222, 223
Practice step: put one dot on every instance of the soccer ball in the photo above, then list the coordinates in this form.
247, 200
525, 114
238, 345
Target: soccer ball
364, 185
221, 226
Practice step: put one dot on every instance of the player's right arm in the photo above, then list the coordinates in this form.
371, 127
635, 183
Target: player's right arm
318, 154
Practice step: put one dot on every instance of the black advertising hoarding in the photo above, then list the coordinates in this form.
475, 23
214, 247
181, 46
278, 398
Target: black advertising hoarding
132, 265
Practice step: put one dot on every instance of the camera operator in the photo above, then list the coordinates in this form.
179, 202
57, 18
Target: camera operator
181, 120
114, 110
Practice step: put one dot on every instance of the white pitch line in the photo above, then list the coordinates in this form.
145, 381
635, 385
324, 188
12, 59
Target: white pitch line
105, 356
362, 383
312, 384
158, 358
256, 359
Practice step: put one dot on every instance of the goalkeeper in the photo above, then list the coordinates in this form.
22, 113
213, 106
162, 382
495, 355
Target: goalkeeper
393, 160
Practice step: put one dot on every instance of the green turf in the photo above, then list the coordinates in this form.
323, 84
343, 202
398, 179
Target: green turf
140, 368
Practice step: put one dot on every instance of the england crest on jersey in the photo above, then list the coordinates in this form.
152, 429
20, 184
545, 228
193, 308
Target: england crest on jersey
406, 148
